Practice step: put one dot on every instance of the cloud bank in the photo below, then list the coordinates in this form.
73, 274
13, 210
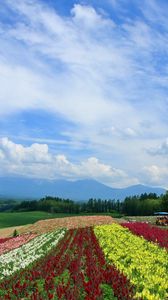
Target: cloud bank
37, 161
101, 67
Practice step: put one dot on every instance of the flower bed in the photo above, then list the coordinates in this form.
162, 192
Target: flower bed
3, 240
144, 263
107, 262
68, 222
23, 256
75, 270
13, 243
149, 232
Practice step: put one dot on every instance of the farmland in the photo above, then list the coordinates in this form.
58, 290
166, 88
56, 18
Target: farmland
10, 219
85, 258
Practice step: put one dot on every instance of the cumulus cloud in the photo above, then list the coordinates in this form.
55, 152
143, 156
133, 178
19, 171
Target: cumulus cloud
36, 153
87, 16
93, 166
156, 175
38, 161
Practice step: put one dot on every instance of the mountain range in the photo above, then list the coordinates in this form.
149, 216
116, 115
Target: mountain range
81, 190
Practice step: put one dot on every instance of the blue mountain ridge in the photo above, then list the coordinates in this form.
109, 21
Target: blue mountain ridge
80, 190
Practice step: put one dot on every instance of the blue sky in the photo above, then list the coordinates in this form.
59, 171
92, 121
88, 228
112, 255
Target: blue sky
83, 90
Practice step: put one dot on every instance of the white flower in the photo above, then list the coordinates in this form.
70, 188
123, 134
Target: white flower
21, 257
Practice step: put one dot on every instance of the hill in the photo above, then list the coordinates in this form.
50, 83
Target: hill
28, 188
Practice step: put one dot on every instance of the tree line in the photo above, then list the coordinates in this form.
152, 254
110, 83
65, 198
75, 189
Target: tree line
145, 204
60, 205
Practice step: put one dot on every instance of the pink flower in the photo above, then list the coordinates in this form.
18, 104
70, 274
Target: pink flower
15, 242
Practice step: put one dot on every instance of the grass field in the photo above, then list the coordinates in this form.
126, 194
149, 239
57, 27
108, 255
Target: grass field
150, 219
23, 218
11, 219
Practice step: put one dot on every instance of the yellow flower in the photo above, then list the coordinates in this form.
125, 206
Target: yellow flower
144, 263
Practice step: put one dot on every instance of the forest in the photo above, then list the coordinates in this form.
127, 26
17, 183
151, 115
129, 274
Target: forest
143, 205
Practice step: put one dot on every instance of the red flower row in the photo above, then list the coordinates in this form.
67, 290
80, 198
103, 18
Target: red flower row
76, 269
149, 232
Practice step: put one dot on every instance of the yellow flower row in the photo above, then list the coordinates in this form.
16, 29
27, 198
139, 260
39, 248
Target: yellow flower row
145, 264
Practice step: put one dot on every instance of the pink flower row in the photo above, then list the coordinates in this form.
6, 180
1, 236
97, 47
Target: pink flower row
15, 242
3, 240
149, 232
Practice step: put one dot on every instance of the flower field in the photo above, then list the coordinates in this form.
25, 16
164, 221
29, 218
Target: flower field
75, 270
143, 262
68, 222
87, 263
149, 232
21, 257
12, 243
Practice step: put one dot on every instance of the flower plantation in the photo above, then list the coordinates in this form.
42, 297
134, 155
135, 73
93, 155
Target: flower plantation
21, 257
101, 262
150, 233
13, 243
143, 262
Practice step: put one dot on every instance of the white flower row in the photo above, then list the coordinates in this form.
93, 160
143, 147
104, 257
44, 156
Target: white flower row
21, 257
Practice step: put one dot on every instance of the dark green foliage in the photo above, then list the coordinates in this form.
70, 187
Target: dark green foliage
108, 293
164, 199
7, 204
15, 233
67, 206
143, 205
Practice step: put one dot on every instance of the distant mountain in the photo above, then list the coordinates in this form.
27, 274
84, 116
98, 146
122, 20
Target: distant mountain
28, 188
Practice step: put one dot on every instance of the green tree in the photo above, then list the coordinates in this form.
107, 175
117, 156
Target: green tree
164, 201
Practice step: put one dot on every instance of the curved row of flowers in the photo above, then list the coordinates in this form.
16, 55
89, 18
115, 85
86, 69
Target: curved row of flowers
23, 256
144, 263
3, 240
9, 244
150, 233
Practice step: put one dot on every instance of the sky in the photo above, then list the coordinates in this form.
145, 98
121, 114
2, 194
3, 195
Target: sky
83, 90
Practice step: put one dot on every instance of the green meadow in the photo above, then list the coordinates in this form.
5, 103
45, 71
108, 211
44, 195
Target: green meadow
10, 219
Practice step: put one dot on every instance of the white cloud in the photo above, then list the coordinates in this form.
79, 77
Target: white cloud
93, 166
120, 132
160, 150
141, 35
95, 66
107, 78
20, 89
130, 132
88, 17
37, 161
156, 175
16, 153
